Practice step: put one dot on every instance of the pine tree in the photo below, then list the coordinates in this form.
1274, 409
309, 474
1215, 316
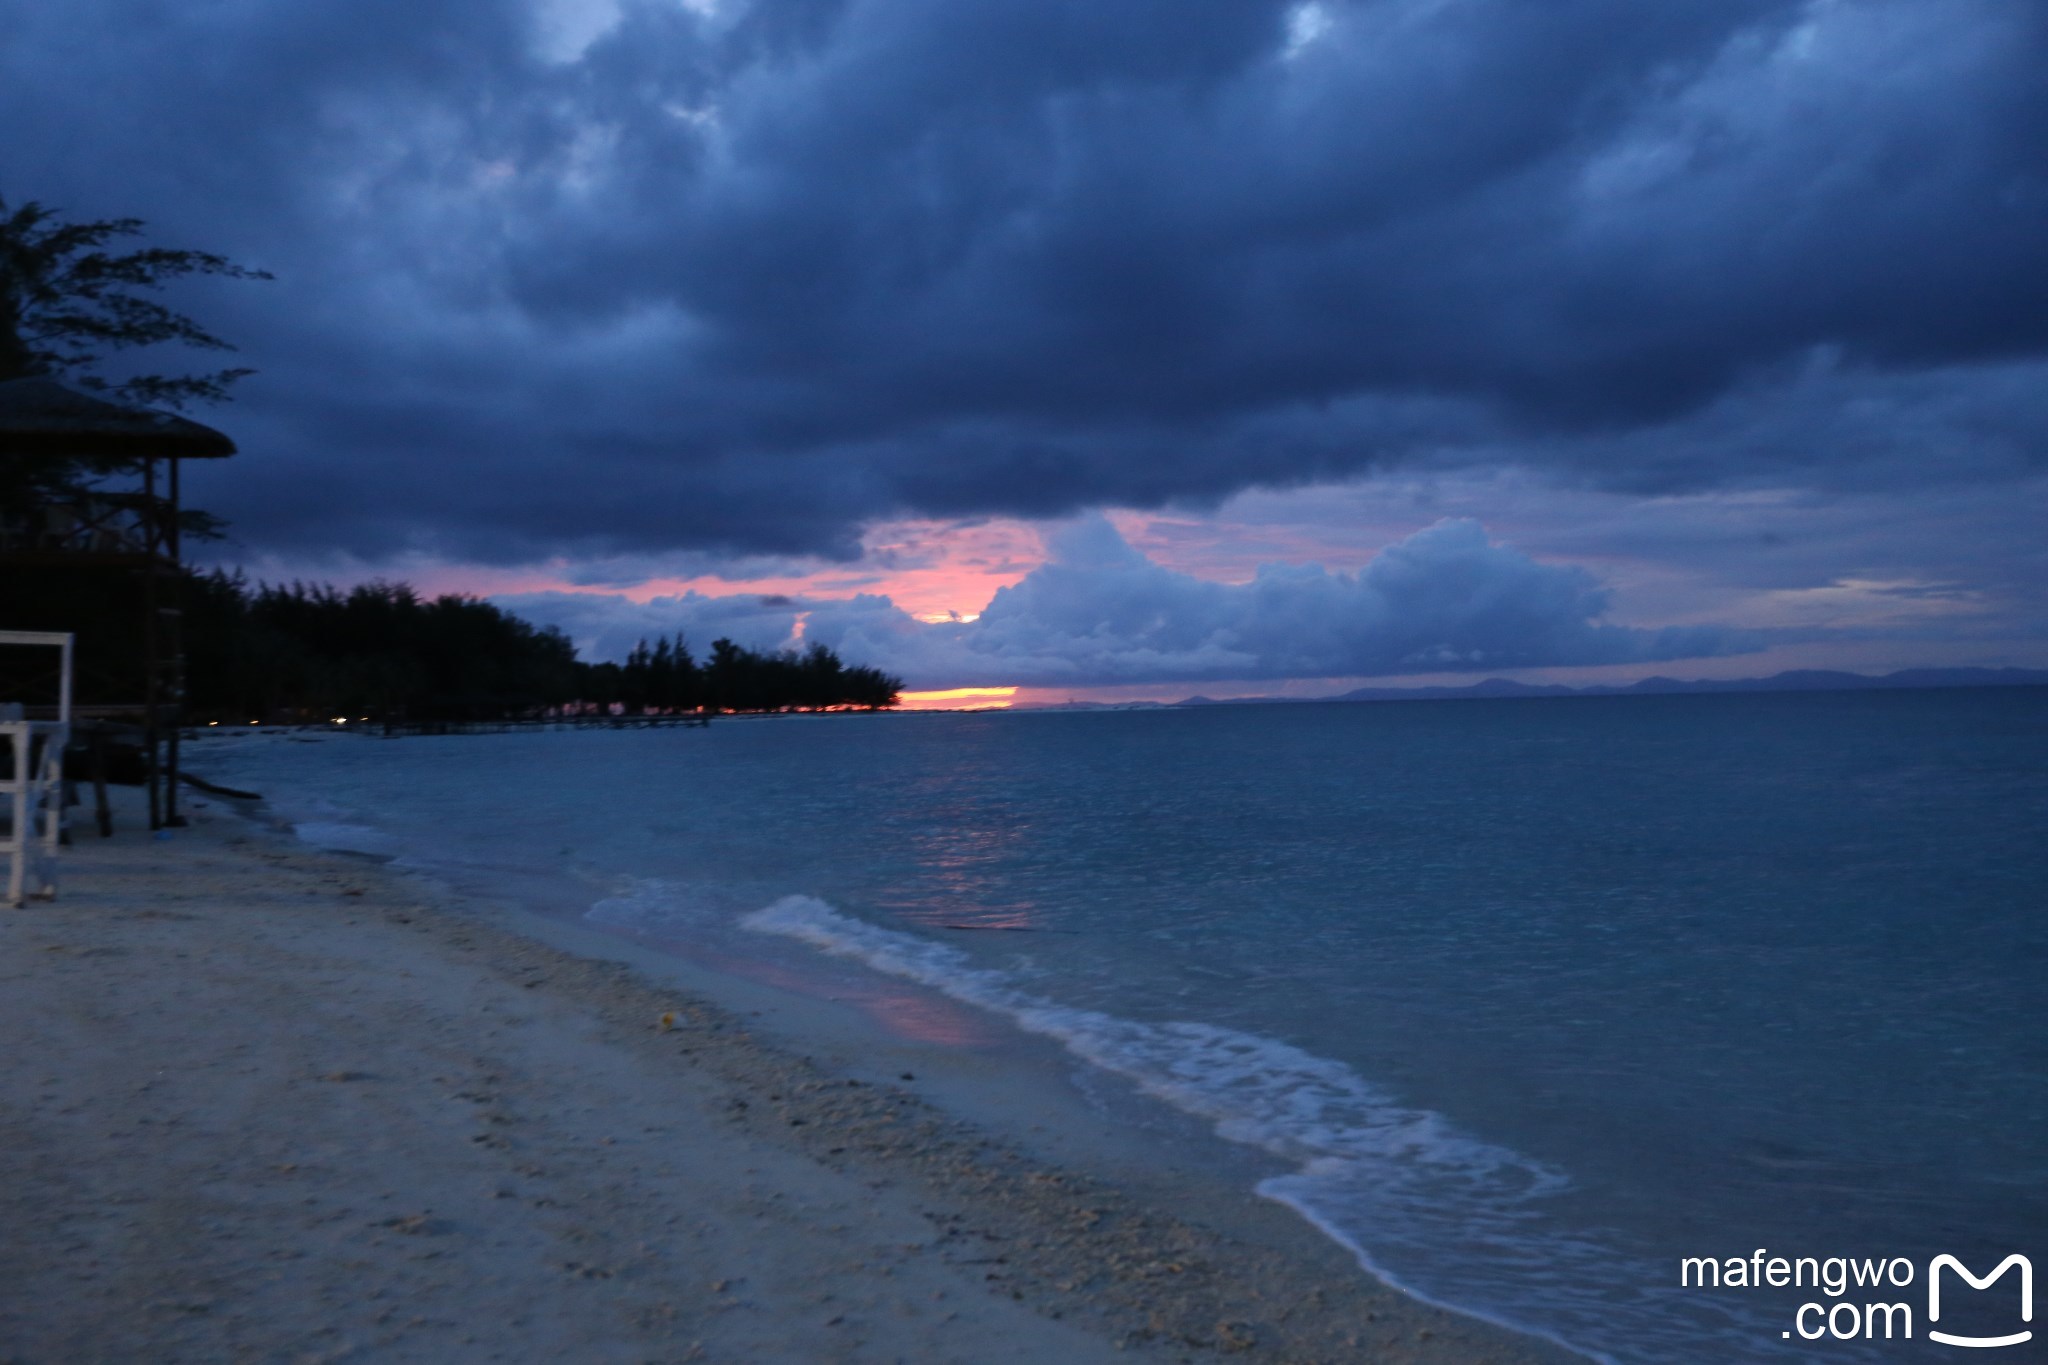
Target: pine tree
68, 302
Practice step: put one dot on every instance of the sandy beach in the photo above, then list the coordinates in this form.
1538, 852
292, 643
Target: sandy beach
267, 1103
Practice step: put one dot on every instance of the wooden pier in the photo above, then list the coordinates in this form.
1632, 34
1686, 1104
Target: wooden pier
393, 729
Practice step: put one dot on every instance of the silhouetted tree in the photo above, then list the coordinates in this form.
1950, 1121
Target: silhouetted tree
740, 679
67, 303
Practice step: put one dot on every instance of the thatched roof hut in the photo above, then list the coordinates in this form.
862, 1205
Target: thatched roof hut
41, 417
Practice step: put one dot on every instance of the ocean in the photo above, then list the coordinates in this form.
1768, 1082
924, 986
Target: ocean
1524, 1002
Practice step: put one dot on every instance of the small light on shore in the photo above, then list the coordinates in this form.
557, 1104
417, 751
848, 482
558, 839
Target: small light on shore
213, 722
341, 720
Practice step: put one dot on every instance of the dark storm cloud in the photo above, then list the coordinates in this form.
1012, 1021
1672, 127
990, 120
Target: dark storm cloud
738, 280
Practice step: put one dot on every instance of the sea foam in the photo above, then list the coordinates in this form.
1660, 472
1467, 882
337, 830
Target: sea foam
346, 838
649, 904
1257, 1091
1393, 1184
1344, 1133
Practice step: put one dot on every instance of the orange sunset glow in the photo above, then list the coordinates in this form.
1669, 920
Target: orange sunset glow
959, 699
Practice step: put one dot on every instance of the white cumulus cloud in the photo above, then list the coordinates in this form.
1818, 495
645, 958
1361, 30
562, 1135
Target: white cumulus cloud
1446, 598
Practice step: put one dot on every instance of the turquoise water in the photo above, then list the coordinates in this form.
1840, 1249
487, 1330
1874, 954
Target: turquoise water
1531, 998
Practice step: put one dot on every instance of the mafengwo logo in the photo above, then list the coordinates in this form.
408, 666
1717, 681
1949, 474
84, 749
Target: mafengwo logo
1940, 1263
1880, 1313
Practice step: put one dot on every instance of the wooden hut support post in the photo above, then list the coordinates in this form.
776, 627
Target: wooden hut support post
41, 419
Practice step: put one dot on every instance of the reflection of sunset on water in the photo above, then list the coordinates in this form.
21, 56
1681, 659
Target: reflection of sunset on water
914, 1016
961, 840
1015, 918
925, 1018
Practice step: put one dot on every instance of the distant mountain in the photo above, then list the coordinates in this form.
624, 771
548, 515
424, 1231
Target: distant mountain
1108, 705
1798, 680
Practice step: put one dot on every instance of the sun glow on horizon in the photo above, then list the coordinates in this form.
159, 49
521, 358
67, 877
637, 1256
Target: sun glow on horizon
958, 699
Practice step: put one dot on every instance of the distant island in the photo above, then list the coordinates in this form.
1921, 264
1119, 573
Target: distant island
1495, 689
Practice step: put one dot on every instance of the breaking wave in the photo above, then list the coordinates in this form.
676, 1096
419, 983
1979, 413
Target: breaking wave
1390, 1182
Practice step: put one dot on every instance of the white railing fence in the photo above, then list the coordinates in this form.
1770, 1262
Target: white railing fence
32, 778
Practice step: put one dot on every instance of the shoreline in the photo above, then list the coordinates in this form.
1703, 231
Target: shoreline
272, 1100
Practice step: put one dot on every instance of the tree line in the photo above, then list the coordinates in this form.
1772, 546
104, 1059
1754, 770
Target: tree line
311, 652
666, 677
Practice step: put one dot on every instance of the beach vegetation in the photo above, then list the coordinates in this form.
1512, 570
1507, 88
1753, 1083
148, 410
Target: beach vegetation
666, 677
66, 302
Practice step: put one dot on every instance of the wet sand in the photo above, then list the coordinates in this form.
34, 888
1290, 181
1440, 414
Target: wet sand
264, 1103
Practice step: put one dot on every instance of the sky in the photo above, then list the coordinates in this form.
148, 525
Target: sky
1114, 348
